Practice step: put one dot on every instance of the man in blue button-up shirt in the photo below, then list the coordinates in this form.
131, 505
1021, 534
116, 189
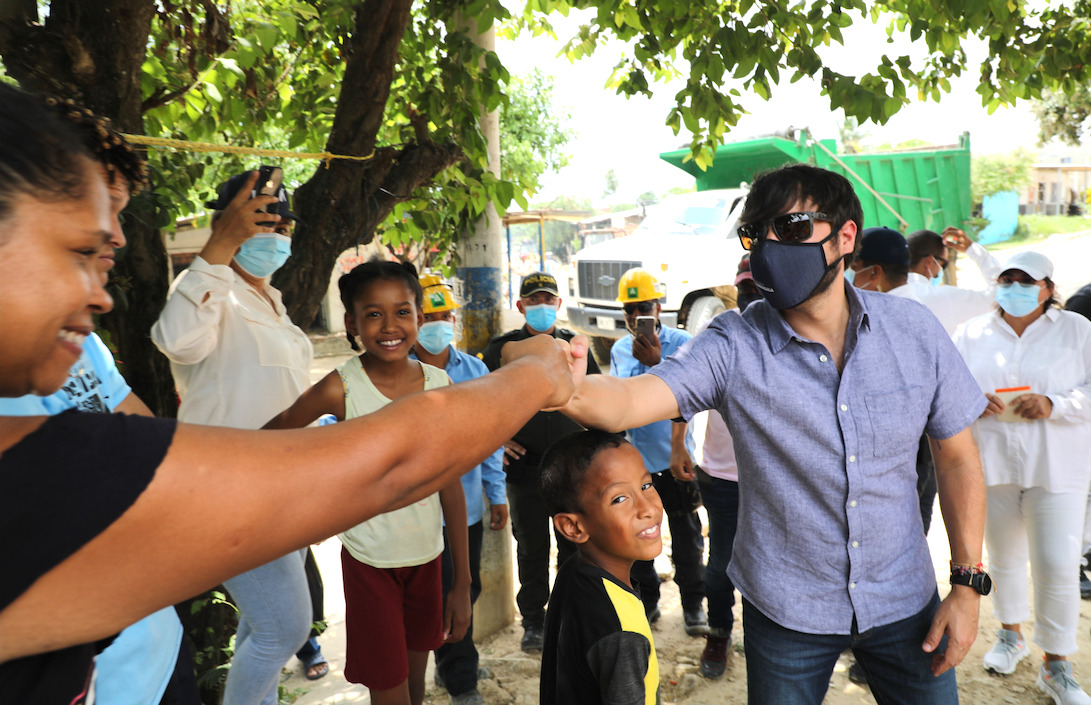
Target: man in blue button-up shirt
826, 390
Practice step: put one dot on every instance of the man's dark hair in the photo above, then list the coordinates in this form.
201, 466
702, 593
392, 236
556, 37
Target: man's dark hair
925, 243
565, 464
896, 274
106, 144
40, 153
775, 190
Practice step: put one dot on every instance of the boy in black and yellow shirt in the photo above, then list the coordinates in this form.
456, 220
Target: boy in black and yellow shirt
598, 645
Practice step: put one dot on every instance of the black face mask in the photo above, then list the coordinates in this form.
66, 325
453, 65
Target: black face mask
788, 274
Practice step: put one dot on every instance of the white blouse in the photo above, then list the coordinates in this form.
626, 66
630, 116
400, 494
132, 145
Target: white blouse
236, 361
1052, 357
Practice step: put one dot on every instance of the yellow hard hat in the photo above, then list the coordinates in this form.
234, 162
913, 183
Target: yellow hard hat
437, 295
638, 284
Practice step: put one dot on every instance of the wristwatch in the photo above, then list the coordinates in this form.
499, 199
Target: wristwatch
977, 579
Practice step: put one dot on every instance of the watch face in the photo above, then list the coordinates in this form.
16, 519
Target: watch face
978, 581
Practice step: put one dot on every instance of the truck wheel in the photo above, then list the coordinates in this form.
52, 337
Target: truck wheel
600, 348
701, 311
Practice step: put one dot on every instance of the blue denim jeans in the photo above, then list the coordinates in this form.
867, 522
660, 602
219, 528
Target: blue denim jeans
785, 667
274, 621
721, 499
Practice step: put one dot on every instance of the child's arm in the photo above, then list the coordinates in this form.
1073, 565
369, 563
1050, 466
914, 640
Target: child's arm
326, 397
620, 664
457, 611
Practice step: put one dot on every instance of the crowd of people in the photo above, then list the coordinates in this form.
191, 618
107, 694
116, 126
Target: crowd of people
850, 388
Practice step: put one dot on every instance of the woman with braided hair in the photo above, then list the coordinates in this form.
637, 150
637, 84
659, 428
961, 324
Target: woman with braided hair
106, 518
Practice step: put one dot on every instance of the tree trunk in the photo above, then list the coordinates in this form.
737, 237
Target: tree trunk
341, 205
93, 51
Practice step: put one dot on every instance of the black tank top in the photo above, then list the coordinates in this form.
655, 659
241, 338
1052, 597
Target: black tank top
60, 487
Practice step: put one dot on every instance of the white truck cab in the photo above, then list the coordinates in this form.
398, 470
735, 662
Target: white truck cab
688, 242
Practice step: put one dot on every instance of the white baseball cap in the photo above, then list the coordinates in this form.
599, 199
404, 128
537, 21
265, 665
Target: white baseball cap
1035, 264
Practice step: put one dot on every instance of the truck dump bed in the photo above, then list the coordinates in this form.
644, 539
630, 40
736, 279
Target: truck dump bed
906, 190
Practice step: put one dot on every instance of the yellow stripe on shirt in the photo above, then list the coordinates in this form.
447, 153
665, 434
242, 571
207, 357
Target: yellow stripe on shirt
630, 613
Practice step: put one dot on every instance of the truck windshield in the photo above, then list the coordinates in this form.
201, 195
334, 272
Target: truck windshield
677, 214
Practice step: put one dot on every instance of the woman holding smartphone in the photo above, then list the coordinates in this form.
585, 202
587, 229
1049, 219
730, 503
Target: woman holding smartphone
237, 359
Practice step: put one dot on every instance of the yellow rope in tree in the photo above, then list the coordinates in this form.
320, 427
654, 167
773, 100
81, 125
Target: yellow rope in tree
185, 145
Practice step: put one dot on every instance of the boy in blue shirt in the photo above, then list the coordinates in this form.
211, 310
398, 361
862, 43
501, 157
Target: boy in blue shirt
598, 643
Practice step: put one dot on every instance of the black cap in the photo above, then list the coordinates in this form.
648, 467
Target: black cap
230, 188
538, 281
883, 246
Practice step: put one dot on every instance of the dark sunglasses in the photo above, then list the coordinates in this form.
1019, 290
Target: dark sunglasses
1007, 280
942, 261
791, 228
639, 307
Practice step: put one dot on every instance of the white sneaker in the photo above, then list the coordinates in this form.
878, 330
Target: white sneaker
1010, 649
1055, 678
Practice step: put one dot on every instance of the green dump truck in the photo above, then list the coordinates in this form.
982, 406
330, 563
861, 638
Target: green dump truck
906, 190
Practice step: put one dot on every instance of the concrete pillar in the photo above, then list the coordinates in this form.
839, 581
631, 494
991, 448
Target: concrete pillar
480, 276
481, 251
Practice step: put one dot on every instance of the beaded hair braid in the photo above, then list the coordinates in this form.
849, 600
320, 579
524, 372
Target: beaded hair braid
104, 142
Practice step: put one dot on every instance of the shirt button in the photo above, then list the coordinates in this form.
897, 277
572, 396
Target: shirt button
855, 544
822, 358
844, 407
852, 586
852, 458
852, 503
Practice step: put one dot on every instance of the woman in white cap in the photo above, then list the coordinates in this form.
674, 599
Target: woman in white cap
1033, 361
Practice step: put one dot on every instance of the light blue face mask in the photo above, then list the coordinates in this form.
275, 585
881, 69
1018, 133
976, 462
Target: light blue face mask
1018, 299
938, 279
264, 254
541, 316
435, 336
850, 274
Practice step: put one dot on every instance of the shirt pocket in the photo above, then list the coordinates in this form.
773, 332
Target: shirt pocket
277, 345
897, 420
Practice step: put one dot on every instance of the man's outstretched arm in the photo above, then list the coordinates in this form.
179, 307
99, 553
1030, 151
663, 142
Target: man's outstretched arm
607, 402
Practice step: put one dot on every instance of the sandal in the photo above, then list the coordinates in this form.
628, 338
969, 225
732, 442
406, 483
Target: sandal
315, 665
322, 666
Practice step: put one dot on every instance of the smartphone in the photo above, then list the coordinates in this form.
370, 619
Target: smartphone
268, 184
645, 325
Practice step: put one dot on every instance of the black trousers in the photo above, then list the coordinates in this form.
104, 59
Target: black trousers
680, 502
457, 663
318, 614
532, 525
182, 688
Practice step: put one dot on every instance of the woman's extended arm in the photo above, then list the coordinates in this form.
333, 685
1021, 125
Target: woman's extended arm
224, 501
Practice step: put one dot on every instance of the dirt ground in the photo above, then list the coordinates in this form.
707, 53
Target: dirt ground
515, 674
